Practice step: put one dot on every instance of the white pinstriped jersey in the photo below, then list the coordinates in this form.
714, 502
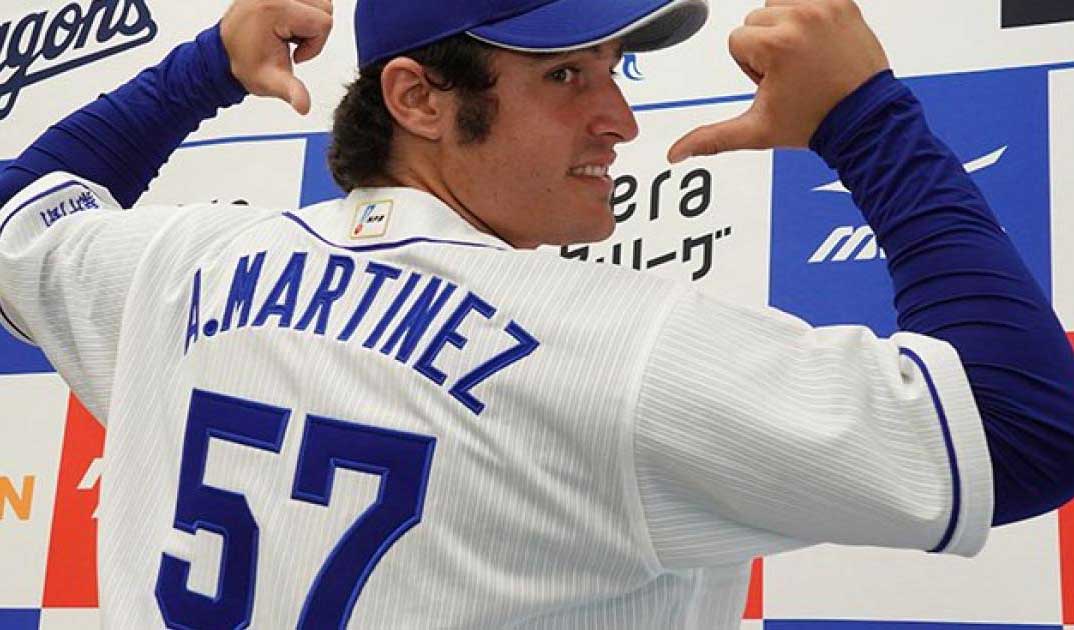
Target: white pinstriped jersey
368, 414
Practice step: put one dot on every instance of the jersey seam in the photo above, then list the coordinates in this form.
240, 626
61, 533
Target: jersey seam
628, 442
152, 246
952, 456
12, 327
357, 249
177, 216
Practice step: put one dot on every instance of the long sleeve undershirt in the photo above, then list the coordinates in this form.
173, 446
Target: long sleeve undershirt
121, 140
956, 275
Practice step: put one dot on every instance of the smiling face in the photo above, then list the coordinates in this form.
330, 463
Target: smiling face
540, 177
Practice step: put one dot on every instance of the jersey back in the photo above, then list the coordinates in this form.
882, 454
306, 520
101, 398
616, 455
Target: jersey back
369, 414
427, 431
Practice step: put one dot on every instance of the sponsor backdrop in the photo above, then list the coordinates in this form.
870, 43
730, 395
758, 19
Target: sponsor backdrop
997, 78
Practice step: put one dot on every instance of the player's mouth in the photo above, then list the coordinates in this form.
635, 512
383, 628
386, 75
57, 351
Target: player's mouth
594, 175
590, 170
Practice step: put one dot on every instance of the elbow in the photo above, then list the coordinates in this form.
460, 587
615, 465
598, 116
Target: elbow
1032, 455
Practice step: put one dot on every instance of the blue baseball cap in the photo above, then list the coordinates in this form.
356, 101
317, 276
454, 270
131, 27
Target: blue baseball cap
388, 28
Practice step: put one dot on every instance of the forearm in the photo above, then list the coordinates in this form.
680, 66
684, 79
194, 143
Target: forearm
957, 277
121, 140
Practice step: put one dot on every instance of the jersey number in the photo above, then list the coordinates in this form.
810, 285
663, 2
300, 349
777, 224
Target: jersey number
402, 460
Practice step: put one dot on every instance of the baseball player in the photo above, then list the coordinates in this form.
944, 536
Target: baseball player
384, 412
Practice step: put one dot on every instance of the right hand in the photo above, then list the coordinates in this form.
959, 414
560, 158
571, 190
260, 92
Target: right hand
805, 57
258, 35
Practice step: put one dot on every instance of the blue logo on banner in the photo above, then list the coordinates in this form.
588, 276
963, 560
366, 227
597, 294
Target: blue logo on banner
631, 70
43, 44
826, 266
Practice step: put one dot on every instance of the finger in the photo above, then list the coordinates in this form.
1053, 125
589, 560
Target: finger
323, 5
743, 132
309, 27
747, 49
768, 16
309, 48
754, 75
303, 21
783, 3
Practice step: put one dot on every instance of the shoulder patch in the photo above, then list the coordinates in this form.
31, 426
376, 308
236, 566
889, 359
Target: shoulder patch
371, 219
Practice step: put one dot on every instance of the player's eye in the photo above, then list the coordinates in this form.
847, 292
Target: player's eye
566, 74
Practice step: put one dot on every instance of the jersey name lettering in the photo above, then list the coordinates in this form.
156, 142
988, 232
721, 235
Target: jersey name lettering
405, 303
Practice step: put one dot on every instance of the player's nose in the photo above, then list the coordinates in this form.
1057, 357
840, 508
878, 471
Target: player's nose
612, 115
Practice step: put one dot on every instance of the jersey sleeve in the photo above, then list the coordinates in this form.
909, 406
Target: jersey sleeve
67, 257
756, 433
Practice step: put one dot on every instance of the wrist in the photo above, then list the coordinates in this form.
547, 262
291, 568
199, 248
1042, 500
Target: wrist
837, 133
217, 65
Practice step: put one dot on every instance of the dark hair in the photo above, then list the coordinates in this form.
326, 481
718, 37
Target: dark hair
362, 126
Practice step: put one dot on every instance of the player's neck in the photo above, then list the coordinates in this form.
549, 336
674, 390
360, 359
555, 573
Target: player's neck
409, 174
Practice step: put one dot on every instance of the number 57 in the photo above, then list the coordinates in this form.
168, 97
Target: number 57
402, 460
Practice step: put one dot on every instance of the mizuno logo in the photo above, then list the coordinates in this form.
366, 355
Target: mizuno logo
971, 167
44, 44
847, 241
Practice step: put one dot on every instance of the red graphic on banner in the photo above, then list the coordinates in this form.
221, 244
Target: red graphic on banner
1066, 552
755, 600
1066, 560
71, 574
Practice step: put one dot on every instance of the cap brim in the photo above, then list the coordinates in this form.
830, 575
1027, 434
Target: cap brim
566, 25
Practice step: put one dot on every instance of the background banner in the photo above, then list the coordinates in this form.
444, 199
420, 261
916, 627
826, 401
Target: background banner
762, 227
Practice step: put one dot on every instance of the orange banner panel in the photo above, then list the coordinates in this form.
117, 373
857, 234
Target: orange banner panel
755, 600
71, 574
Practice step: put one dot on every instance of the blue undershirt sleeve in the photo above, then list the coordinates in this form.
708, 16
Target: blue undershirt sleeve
121, 140
957, 277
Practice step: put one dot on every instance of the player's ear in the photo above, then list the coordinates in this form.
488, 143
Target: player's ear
413, 102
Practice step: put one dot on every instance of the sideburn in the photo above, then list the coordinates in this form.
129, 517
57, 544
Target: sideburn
476, 113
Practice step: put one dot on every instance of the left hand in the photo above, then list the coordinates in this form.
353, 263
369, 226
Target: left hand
805, 57
258, 35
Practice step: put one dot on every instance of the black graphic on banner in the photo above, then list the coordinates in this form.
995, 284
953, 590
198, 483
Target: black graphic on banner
691, 194
1034, 12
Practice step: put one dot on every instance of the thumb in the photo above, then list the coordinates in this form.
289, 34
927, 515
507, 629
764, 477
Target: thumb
743, 132
284, 85
298, 96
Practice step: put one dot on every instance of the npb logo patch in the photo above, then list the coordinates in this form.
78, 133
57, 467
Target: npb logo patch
827, 266
371, 219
